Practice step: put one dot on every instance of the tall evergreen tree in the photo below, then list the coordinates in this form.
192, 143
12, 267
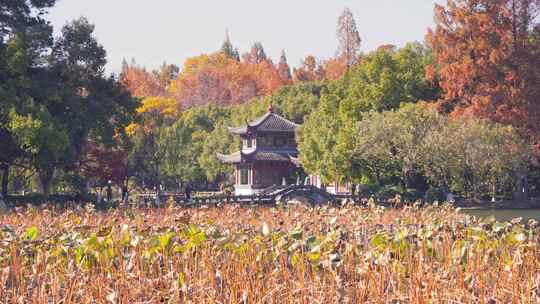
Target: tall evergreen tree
227, 48
349, 38
283, 68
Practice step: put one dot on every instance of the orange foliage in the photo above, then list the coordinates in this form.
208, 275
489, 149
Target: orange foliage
310, 70
486, 62
140, 82
334, 68
224, 80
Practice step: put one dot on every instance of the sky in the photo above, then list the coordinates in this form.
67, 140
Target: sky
155, 31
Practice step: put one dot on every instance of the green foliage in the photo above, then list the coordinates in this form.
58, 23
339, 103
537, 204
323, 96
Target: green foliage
54, 96
186, 147
185, 144
317, 140
383, 80
471, 157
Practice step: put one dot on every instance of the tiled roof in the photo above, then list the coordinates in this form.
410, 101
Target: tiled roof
270, 156
275, 123
269, 122
237, 157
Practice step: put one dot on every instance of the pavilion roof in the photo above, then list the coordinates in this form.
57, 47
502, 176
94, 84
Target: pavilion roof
258, 155
269, 122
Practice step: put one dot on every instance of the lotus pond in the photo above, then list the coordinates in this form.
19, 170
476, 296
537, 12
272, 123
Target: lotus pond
235, 254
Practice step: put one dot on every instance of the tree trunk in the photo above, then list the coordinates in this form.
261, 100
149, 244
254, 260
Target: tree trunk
5, 180
378, 177
46, 177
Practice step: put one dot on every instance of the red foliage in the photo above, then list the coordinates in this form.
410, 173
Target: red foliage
486, 62
100, 165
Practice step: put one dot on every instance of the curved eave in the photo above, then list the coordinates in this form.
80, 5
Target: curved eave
260, 120
295, 160
237, 131
230, 159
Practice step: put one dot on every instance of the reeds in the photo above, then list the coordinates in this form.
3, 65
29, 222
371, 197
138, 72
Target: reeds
266, 255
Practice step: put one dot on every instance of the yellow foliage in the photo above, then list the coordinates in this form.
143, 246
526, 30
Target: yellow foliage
131, 129
165, 106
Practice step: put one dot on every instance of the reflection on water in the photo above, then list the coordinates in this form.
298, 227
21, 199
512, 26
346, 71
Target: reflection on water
505, 214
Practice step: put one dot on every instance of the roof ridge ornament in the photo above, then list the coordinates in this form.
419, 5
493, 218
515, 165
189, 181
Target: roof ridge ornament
271, 108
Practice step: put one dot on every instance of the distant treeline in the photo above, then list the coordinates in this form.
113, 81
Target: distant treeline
457, 114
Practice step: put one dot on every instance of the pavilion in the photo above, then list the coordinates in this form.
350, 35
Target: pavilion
268, 156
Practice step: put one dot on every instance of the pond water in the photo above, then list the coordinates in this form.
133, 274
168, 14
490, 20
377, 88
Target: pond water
505, 214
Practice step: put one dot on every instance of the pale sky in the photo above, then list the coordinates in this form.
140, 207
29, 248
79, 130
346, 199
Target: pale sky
173, 30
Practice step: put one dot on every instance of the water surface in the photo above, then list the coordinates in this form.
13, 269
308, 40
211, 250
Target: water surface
505, 214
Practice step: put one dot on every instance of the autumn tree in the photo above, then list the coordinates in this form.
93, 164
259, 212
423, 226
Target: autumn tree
228, 49
256, 54
487, 60
218, 79
310, 70
283, 68
165, 75
142, 83
101, 164
349, 38
334, 68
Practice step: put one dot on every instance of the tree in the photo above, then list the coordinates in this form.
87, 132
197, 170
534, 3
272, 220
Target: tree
68, 101
101, 164
217, 141
382, 81
334, 68
295, 102
317, 139
92, 105
45, 139
475, 157
183, 144
142, 83
221, 80
25, 36
228, 49
487, 59
416, 144
283, 68
256, 54
166, 74
386, 79
310, 70
349, 38
412, 61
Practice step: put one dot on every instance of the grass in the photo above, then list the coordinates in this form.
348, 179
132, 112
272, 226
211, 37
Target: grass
266, 255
